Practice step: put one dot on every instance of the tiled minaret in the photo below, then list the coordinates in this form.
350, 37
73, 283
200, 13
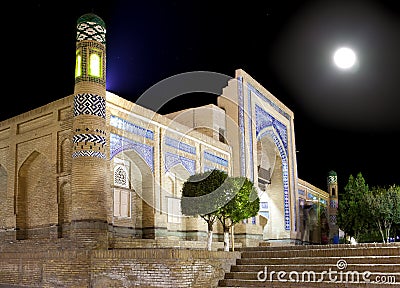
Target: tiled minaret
88, 181
333, 207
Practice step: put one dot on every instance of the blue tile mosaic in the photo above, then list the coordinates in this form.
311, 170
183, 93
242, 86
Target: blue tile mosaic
130, 127
241, 127
250, 116
119, 144
265, 120
276, 107
216, 159
180, 145
311, 196
171, 160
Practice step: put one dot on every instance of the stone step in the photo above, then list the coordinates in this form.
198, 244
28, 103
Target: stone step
321, 247
308, 264
356, 251
381, 268
277, 284
320, 260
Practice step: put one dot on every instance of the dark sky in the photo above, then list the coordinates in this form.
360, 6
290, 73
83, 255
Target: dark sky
344, 121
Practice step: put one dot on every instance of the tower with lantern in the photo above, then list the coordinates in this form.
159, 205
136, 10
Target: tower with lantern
333, 207
89, 155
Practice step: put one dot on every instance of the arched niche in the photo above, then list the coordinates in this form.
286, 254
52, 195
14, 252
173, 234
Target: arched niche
36, 200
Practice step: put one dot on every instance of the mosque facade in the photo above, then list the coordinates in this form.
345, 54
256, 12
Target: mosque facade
99, 170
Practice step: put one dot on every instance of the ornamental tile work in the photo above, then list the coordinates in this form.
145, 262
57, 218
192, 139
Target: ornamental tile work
311, 196
241, 127
89, 138
285, 174
264, 120
91, 31
88, 153
89, 104
121, 176
180, 145
171, 160
216, 159
276, 107
250, 134
130, 127
119, 144
332, 179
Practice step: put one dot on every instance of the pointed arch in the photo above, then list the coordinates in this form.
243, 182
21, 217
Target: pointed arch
64, 208
177, 174
272, 164
3, 196
134, 190
65, 155
36, 197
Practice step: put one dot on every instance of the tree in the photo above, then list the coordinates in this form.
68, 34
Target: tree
384, 209
352, 210
242, 202
202, 196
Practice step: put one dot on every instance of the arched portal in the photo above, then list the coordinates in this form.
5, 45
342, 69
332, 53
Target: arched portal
271, 168
133, 195
176, 222
36, 207
139, 161
64, 209
4, 198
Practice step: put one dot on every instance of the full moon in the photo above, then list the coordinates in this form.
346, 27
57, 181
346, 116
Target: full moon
344, 58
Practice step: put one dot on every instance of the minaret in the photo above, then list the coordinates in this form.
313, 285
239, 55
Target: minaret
89, 164
333, 206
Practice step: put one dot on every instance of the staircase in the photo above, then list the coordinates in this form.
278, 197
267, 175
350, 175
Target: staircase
333, 266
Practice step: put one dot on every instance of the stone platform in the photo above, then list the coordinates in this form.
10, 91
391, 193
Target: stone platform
362, 265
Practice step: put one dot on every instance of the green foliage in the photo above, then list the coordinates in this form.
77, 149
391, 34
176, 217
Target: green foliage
369, 236
365, 213
202, 193
213, 195
384, 209
242, 202
352, 210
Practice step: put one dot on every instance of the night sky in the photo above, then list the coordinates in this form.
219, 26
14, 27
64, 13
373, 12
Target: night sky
346, 121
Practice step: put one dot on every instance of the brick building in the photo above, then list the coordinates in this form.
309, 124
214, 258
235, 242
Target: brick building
98, 171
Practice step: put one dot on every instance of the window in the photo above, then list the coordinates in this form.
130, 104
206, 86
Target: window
333, 192
78, 64
95, 64
121, 175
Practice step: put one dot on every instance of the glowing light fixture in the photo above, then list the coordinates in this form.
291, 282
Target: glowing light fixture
95, 65
78, 64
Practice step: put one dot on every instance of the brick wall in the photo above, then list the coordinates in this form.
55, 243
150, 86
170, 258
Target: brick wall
116, 268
